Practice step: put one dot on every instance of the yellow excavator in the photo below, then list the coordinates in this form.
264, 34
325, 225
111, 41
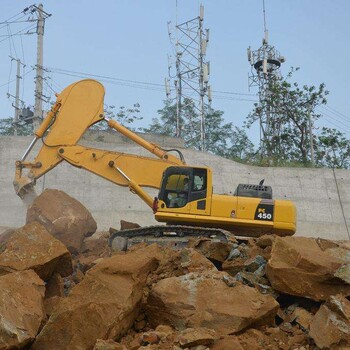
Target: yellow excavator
186, 202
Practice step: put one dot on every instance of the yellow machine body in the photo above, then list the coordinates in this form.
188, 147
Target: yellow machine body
240, 215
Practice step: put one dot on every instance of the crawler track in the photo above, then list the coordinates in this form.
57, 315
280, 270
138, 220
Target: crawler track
175, 235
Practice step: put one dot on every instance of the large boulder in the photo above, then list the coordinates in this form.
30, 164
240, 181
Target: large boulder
215, 251
63, 216
94, 248
207, 300
330, 328
21, 308
32, 247
104, 305
309, 267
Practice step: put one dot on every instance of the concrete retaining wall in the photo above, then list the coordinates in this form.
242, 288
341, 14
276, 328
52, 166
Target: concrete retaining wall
322, 196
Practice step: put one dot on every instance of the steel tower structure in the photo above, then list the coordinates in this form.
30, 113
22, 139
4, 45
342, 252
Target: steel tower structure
265, 68
191, 76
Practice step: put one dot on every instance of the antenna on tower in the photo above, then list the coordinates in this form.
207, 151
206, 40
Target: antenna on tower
167, 87
265, 65
266, 34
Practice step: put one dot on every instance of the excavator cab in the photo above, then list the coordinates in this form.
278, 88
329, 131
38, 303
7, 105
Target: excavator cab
183, 185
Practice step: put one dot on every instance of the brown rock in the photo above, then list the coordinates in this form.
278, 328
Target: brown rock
104, 305
94, 248
330, 328
197, 336
214, 251
234, 266
140, 325
50, 304
21, 308
192, 261
63, 216
205, 300
300, 339
226, 343
163, 331
254, 339
302, 317
55, 286
265, 241
150, 338
301, 266
108, 345
125, 225
32, 247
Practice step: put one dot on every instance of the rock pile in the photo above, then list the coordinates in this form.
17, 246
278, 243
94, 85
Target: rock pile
61, 287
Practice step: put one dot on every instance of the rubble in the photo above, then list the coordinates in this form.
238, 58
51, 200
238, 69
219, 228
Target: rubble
216, 252
262, 293
32, 247
108, 345
63, 216
105, 304
205, 300
126, 225
197, 336
21, 308
330, 328
309, 268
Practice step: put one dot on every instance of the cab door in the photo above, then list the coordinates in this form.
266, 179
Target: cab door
200, 192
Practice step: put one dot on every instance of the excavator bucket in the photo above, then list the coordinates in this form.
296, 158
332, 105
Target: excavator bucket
78, 106
23, 186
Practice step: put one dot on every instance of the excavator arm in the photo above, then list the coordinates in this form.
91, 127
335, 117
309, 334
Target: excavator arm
77, 107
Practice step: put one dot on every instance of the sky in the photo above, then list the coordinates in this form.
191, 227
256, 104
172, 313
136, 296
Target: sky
127, 40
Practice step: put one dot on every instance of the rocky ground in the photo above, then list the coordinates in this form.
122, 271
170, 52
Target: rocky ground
62, 288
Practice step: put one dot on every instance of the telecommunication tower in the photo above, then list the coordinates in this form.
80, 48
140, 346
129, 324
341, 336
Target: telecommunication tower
265, 68
191, 76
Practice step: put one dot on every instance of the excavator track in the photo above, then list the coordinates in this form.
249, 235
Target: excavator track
176, 236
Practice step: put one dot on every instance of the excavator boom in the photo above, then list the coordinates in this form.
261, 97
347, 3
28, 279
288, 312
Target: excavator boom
77, 107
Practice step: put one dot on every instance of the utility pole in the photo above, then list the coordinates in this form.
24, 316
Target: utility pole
38, 106
18, 77
16, 97
36, 14
311, 137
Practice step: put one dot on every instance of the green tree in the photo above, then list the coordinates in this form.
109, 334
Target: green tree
332, 149
291, 106
241, 148
222, 138
124, 116
7, 128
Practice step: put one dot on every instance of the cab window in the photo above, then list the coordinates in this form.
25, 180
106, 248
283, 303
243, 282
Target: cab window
177, 190
199, 180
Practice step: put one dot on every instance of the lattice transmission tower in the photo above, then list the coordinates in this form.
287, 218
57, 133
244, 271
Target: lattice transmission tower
190, 77
265, 68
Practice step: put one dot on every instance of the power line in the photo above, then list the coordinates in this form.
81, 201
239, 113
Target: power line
58, 70
20, 31
234, 98
341, 115
8, 21
341, 128
84, 75
334, 118
11, 81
